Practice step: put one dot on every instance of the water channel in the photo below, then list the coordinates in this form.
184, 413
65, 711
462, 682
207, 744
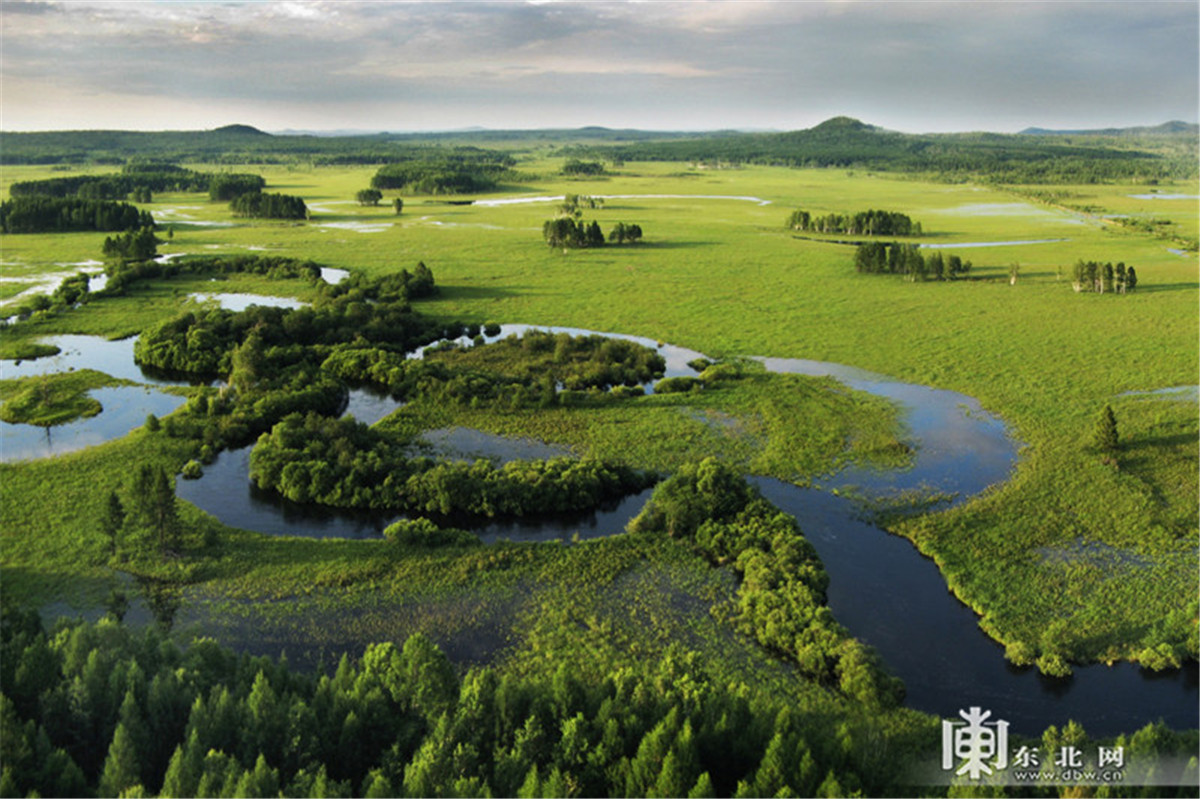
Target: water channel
881, 588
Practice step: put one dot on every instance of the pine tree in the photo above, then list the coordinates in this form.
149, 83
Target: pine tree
122, 768
111, 523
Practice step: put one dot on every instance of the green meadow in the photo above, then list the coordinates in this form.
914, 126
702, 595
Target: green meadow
718, 272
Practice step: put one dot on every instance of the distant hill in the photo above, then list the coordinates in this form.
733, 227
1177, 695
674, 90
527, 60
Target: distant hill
1166, 129
241, 130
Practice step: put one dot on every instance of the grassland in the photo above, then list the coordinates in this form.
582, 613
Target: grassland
724, 277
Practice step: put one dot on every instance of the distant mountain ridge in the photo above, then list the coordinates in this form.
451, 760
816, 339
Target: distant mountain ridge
1152, 153
1175, 126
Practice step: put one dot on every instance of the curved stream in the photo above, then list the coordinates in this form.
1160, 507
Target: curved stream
881, 588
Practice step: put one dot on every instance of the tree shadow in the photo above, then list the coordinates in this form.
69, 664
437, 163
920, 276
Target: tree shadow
460, 292
1150, 288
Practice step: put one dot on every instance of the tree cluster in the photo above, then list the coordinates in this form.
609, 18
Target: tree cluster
576, 362
44, 214
368, 196
1092, 276
226, 186
469, 174
781, 596
139, 244
259, 205
576, 167
347, 464
570, 233
906, 259
863, 223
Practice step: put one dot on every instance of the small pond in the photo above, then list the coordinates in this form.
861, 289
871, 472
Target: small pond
124, 409
240, 302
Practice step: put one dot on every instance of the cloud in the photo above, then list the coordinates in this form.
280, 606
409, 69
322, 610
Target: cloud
915, 65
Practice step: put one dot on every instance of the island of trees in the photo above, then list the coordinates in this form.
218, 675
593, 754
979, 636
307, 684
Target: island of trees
1092, 276
259, 205
863, 223
906, 259
467, 173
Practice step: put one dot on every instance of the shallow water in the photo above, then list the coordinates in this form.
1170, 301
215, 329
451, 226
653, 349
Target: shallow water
559, 198
124, 409
114, 358
240, 302
969, 245
1165, 196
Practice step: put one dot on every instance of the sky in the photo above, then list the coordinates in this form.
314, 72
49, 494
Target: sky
925, 66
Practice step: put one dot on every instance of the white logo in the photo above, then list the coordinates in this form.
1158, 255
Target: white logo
978, 744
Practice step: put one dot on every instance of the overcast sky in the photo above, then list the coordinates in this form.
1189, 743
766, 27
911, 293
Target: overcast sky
911, 66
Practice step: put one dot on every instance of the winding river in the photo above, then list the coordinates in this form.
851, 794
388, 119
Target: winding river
881, 588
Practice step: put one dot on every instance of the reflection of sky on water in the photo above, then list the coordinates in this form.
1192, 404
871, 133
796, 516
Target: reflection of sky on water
124, 408
960, 448
114, 358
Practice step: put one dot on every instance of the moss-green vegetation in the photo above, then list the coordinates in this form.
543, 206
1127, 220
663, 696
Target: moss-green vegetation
51, 399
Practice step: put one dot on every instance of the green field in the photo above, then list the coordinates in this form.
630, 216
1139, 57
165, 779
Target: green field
724, 277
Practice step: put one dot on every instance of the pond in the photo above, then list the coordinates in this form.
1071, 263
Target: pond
124, 409
240, 302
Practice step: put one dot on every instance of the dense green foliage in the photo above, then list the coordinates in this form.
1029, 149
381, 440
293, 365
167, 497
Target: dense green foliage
781, 599
576, 362
260, 205
370, 197
137, 244
346, 464
41, 214
865, 223
99, 709
906, 259
466, 173
227, 186
139, 177
589, 168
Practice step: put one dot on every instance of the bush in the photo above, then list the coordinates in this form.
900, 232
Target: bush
422, 532
1052, 664
1020, 653
676, 385
192, 470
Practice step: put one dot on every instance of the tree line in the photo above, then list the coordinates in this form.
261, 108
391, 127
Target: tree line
260, 205
47, 214
906, 259
1092, 276
865, 223
140, 178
